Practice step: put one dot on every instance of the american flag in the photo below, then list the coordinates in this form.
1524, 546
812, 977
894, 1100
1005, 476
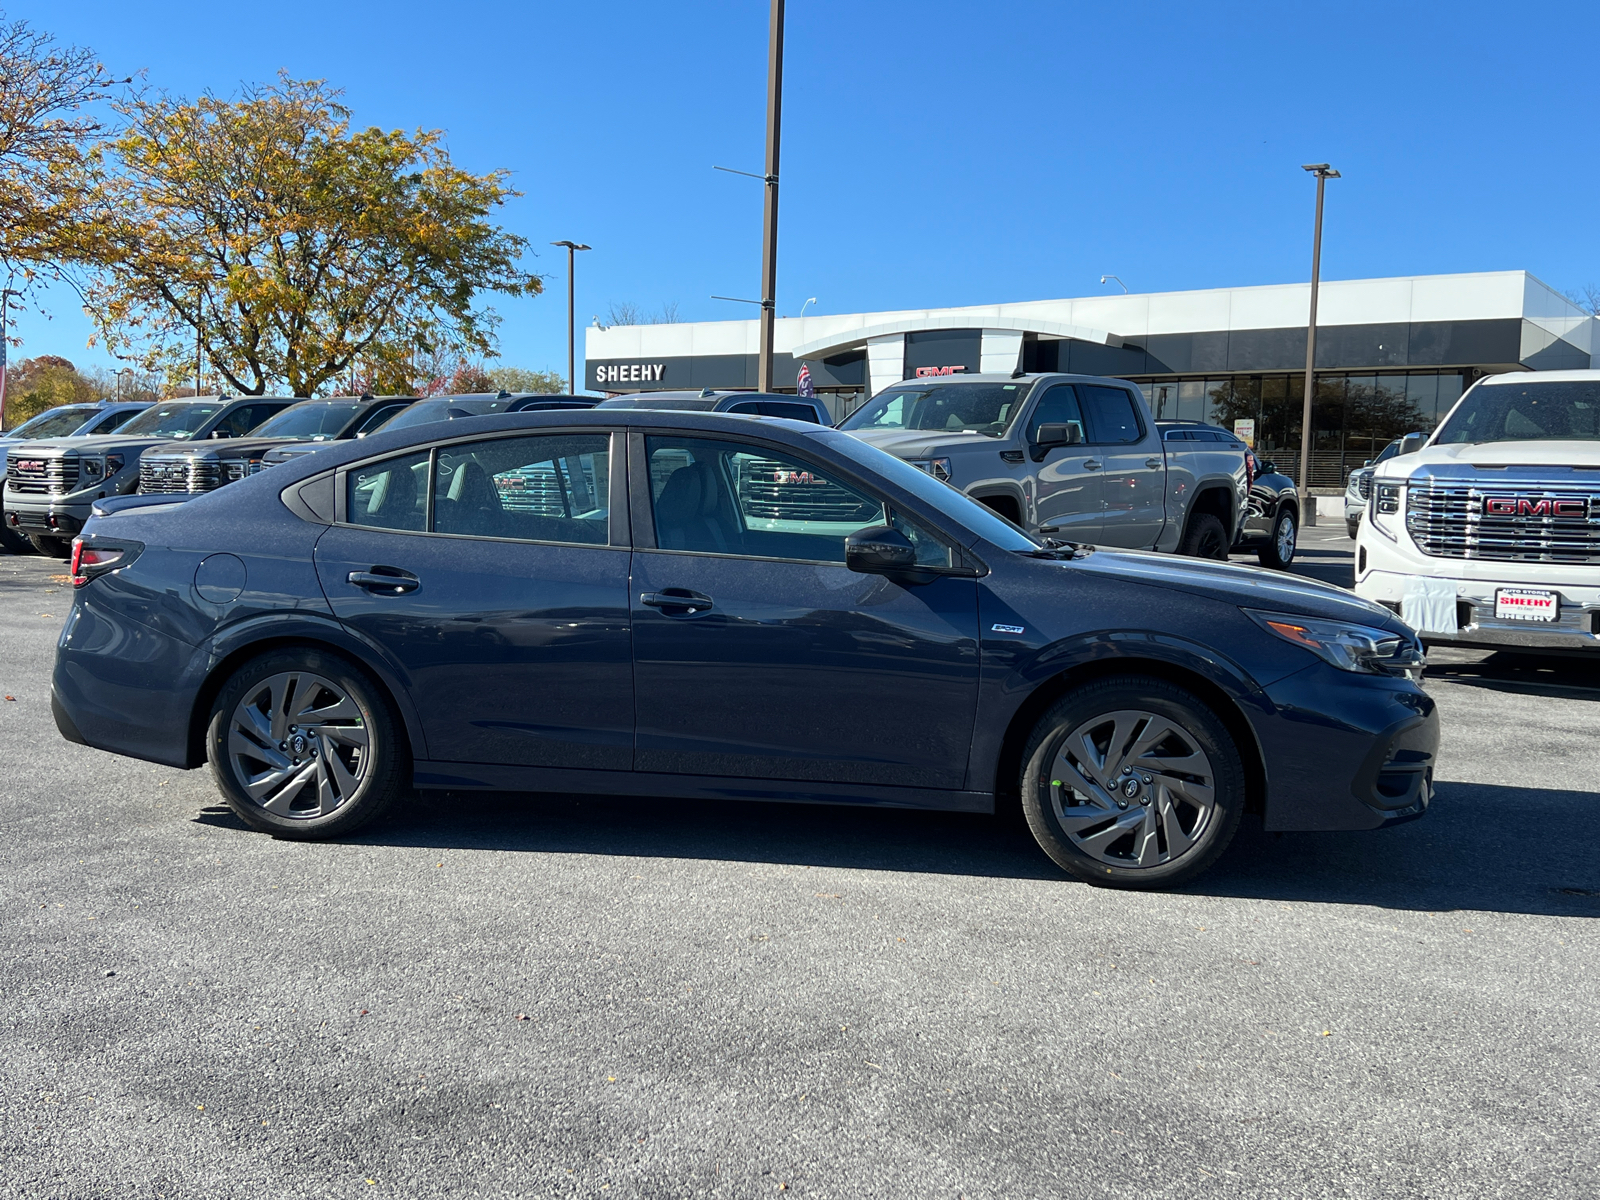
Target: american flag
806, 388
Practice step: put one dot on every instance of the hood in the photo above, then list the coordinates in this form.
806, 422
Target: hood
1247, 587
920, 443
55, 447
243, 447
1563, 453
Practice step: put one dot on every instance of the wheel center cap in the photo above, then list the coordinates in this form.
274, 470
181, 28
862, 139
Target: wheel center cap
298, 743
1130, 788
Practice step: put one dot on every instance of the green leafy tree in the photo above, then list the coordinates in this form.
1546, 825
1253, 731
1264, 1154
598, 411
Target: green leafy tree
37, 384
299, 249
520, 379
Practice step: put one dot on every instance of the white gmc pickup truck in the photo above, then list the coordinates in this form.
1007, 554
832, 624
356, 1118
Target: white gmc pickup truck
1489, 536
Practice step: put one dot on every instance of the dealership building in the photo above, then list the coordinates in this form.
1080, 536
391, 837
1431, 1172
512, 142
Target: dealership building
1392, 354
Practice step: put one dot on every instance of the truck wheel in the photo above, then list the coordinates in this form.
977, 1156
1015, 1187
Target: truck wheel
1205, 538
14, 543
1279, 552
54, 547
1132, 782
303, 745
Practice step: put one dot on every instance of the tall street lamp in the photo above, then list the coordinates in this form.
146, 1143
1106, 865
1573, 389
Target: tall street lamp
1323, 172
572, 358
769, 223
120, 373
5, 303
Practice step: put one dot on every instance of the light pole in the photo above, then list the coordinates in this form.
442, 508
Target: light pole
572, 360
769, 224
121, 371
1323, 172
5, 313
1120, 284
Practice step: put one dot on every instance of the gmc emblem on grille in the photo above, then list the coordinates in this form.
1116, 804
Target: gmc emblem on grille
1521, 506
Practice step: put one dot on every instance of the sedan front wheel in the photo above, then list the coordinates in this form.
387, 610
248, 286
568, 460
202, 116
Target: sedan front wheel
1132, 782
303, 745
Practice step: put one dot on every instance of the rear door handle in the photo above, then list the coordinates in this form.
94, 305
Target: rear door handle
385, 581
676, 602
1152, 463
1092, 464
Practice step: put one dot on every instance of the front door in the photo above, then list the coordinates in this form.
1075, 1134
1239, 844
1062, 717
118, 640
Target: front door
509, 611
1133, 479
758, 654
1067, 495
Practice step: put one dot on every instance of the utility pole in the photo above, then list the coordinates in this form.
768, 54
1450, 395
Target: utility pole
1323, 172
572, 356
5, 314
769, 239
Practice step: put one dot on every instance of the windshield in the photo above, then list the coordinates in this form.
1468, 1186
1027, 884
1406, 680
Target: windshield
427, 411
171, 420
952, 407
958, 506
1567, 411
57, 422
315, 422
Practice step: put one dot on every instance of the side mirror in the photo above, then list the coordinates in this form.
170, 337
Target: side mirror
879, 550
220, 433
1269, 468
1366, 462
1412, 442
1048, 437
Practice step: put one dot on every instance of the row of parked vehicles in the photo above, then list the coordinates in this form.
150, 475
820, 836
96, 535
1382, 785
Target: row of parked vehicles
1074, 457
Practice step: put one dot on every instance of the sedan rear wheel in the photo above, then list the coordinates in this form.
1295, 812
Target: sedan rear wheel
1132, 782
303, 745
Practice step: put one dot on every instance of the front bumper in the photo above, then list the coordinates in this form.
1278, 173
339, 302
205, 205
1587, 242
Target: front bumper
1347, 751
48, 517
1384, 565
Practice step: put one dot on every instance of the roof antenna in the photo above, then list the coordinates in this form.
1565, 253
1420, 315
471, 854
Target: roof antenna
706, 393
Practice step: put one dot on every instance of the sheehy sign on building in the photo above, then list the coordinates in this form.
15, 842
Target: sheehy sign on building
631, 373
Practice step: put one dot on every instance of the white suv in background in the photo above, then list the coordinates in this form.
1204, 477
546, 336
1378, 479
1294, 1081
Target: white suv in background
1490, 534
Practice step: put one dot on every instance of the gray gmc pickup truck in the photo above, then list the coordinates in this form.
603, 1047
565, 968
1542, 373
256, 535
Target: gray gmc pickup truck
1072, 456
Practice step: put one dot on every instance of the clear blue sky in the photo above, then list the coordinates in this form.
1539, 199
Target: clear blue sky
939, 152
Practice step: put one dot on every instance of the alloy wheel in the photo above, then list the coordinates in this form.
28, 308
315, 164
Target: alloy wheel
1286, 536
1132, 789
298, 745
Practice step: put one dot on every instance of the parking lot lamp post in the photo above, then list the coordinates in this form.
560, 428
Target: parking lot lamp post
1308, 515
120, 373
5, 305
769, 223
572, 358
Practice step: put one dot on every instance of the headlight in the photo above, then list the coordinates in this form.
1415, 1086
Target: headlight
113, 463
1349, 647
1386, 497
939, 468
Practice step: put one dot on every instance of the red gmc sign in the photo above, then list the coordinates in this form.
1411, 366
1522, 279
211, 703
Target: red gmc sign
1521, 506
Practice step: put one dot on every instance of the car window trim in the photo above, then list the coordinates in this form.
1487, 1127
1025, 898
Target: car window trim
644, 517
619, 527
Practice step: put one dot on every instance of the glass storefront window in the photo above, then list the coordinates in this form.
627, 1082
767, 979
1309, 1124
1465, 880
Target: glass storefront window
1191, 400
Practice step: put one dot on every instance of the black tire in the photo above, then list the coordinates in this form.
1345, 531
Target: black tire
1205, 538
1353, 528
52, 547
1278, 553
14, 543
327, 802
1163, 796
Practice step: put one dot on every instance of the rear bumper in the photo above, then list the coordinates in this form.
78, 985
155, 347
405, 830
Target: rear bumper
1347, 751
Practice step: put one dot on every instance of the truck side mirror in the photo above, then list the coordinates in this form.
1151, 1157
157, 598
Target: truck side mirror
1412, 442
1049, 436
879, 550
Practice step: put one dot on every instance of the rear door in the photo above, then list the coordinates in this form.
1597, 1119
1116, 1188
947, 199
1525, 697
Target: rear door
495, 573
1133, 478
1067, 489
759, 654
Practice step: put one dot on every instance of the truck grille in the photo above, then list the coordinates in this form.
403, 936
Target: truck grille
41, 476
171, 476
777, 491
1520, 523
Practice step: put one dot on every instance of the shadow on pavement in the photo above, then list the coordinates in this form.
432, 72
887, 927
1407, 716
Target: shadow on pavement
1482, 847
1525, 674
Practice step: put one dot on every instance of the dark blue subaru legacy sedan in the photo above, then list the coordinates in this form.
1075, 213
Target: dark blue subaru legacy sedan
679, 604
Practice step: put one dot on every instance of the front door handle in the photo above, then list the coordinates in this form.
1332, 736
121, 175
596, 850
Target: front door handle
1092, 464
677, 602
385, 581
1152, 463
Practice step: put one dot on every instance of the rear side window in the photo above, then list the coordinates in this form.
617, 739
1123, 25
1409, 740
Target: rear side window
555, 488
794, 412
748, 409
392, 494
1113, 420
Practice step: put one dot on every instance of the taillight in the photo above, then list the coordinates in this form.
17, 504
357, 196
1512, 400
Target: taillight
90, 559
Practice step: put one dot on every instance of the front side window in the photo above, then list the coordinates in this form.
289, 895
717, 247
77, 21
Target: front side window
985, 408
1058, 406
245, 418
179, 420
1525, 412
547, 488
1113, 419
718, 497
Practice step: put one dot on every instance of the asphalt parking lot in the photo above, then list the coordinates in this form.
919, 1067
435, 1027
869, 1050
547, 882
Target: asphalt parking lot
498, 996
